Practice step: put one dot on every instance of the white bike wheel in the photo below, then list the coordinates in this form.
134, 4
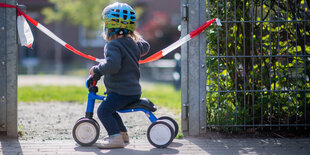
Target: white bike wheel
86, 132
172, 123
160, 134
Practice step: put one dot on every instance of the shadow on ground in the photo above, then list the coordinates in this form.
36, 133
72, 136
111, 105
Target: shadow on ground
253, 146
129, 151
188, 145
10, 146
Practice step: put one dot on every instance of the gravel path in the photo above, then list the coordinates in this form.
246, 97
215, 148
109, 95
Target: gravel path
54, 121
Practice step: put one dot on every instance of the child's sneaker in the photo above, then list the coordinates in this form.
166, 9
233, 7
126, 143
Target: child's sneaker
112, 142
125, 137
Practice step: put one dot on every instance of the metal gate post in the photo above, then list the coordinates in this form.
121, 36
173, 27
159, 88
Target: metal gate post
8, 70
184, 68
194, 72
2, 69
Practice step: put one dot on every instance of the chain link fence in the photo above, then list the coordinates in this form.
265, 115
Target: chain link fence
257, 64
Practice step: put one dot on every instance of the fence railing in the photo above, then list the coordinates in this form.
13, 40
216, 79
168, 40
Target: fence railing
257, 64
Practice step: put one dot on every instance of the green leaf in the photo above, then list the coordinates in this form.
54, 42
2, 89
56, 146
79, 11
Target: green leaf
265, 37
298, 48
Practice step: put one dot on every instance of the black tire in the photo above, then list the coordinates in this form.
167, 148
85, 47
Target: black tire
86, 131
160, 134
172, 121
87, 118
79, 119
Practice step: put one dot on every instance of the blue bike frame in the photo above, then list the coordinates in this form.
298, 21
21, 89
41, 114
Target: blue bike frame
92, 97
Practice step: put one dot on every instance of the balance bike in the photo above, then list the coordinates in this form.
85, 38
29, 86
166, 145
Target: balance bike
160, 133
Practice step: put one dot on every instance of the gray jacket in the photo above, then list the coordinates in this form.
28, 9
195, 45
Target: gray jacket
120, 67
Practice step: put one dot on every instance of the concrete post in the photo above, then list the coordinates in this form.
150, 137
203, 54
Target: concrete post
8, 70
194, 72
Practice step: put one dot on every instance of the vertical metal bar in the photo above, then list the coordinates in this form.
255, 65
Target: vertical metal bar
296, 65
3, 87
261, 62
235, 68
209, 68
244, 75
305, 76
287, 52
202, 70
278, 47
226, 53
218, 69
184, 74
270, 73
11, 71
252, 54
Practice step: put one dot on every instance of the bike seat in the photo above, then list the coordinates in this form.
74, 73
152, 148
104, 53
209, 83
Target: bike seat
142, 103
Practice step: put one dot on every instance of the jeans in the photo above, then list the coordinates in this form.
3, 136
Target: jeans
107, 114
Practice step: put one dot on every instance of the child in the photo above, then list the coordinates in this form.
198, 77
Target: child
120, 70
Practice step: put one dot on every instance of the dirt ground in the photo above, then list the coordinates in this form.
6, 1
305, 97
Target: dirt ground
54, 121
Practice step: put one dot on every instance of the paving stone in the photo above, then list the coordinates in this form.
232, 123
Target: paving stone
179, 146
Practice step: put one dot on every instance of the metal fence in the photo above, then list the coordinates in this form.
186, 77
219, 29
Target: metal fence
257, 64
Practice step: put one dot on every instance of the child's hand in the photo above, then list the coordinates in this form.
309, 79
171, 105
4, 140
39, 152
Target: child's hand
95, 76
91, 71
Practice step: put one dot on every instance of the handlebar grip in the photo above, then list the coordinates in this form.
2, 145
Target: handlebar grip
96, 77
91, 84
94, 82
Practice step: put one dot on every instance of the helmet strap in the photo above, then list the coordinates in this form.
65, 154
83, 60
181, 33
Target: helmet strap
119, 31
113, 32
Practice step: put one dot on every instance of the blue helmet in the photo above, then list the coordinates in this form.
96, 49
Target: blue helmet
119, 16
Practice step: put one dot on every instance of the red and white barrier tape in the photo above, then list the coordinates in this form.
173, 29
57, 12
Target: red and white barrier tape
27, 37
181, 41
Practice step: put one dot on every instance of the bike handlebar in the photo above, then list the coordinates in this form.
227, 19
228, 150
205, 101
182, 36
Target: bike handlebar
92, 81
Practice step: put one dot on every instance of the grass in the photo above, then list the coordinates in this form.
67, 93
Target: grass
160, 95
40, 93
164, 95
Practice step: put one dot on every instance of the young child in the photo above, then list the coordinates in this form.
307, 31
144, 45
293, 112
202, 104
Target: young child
120, 70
